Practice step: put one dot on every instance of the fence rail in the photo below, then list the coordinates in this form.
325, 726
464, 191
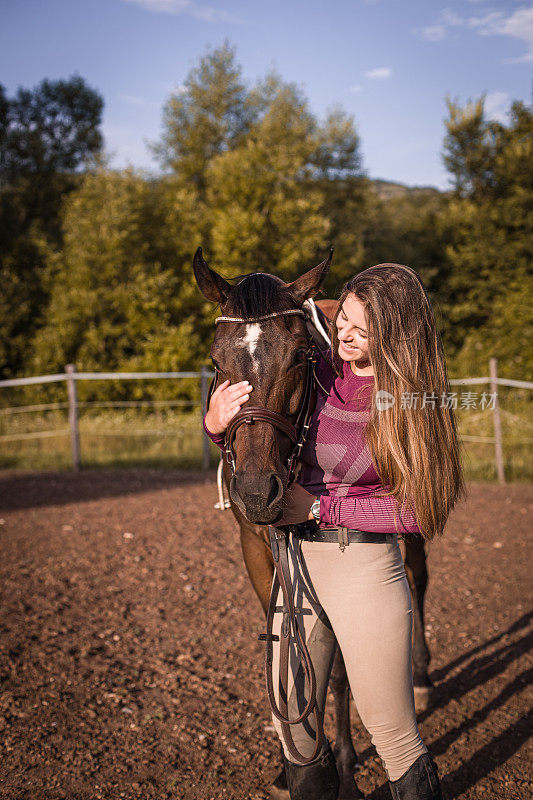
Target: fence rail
97, 376
71, 377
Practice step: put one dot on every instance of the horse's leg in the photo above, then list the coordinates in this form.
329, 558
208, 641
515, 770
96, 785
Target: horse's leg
260, 567
417, 575
258, 561
345, 755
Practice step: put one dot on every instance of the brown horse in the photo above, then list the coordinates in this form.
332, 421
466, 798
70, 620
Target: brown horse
275, 365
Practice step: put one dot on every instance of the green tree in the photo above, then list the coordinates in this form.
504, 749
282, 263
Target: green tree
469, 147
120, 299
404, 229
339, 173
47, 135
490, 252
301, 181
267, 215
208, 115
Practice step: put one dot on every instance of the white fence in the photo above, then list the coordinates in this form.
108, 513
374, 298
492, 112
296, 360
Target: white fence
71, 377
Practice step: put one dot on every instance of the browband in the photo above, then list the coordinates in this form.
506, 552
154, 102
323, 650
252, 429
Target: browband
297, 311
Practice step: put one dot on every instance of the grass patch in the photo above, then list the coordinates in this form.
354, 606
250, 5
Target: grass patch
169, 438
164, 439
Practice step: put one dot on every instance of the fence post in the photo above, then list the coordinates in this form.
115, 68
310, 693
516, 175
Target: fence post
72, 392
204, 385
493, 369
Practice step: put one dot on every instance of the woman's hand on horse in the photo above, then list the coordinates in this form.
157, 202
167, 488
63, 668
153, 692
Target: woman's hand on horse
226, 401
297, 504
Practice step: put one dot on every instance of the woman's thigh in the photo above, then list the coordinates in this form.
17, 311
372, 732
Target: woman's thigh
365, 594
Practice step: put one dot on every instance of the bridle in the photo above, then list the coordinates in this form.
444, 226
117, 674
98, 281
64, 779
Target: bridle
249, 415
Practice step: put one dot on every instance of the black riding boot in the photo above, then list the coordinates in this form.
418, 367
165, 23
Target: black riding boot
318, 780
420, 782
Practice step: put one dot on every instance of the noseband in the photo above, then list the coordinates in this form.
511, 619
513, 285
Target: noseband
296, 432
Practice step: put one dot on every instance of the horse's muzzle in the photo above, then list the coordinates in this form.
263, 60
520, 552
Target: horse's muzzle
258, 495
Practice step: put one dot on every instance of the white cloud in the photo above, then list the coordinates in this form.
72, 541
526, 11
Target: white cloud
518, 25
163, 6
433, 33
449, 17
382, 73
356, 88
486, 24
496, 104
205, 13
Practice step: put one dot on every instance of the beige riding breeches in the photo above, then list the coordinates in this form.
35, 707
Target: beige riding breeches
360, 597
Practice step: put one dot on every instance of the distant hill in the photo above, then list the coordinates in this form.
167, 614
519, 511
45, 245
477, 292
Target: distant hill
388, 190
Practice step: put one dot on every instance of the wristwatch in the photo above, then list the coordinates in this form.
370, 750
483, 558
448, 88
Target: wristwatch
315, 510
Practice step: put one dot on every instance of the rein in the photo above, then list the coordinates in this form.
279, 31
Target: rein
297, 433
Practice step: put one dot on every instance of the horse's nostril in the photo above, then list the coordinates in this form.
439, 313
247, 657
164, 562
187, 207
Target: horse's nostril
276, 491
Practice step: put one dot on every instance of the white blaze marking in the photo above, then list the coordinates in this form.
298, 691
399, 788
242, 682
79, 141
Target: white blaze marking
250, 340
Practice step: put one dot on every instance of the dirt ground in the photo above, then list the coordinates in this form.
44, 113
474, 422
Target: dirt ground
129, 660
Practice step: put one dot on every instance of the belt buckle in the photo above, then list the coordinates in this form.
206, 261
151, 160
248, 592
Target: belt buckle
342, 534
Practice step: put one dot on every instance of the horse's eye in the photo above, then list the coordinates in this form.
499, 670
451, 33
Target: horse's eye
300, 355
215, 364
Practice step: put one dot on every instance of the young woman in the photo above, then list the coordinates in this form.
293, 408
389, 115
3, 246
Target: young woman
381, 457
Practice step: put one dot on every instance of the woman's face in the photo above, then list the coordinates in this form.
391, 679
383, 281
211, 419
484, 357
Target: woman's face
352, 332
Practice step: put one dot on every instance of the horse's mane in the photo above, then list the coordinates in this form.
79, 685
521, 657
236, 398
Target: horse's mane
258, 294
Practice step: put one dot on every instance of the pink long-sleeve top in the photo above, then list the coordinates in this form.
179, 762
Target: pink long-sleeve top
336, 464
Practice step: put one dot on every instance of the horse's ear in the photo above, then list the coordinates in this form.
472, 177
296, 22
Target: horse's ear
308, 284
211, 284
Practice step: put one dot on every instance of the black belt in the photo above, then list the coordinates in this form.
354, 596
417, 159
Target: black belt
344, 536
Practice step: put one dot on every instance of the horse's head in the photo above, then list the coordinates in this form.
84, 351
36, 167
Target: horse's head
272, 355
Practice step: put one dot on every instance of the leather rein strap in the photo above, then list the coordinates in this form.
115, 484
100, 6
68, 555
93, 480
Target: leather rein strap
282, 577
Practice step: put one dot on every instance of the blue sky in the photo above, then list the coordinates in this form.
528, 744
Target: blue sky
389, 63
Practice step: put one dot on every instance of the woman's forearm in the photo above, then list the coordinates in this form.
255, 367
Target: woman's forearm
367, 513
216, 438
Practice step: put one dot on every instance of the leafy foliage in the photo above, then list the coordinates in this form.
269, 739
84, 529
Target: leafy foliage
490, 249
46, 136
96, 264
209, 114
121, 299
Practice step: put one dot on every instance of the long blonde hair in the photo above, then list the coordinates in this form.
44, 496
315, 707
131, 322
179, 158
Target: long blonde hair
415, 450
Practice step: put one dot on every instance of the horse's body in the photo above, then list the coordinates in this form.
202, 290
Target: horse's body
251, 447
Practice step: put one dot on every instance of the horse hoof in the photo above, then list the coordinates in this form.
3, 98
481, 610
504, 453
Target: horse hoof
279, 789
423, 698
350, 791
275, 793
